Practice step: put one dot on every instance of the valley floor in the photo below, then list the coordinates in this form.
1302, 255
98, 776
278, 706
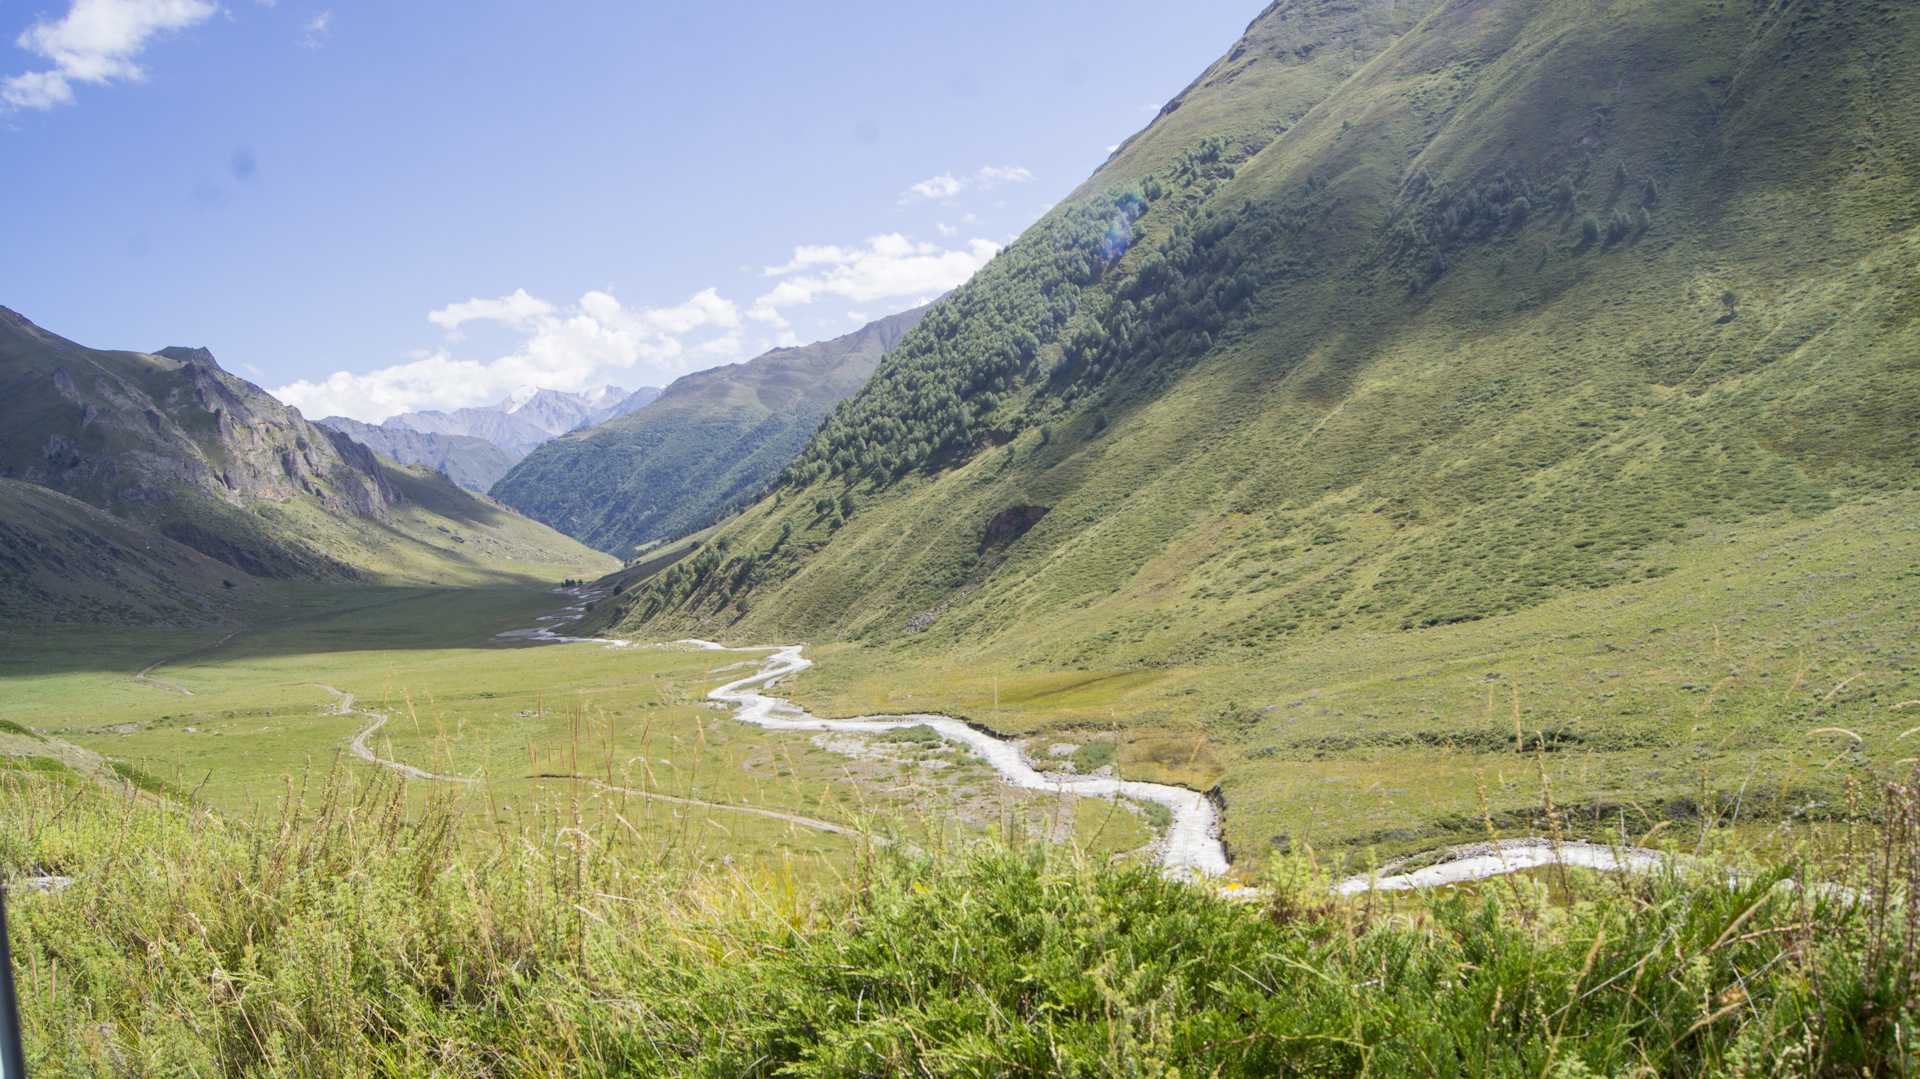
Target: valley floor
1754, 691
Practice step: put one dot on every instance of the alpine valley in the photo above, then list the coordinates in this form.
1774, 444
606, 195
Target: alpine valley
710, 441
1411, 568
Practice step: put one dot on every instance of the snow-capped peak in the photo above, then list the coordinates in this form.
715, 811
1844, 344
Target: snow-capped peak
520, 397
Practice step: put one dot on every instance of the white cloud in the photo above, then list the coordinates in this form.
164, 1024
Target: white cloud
589, 343
946, 229
517, 311
889, 266
943, 186
315, 31
96, 42
596, 340
946, 185
1003, 174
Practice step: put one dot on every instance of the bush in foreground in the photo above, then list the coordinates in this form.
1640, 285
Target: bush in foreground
350, 938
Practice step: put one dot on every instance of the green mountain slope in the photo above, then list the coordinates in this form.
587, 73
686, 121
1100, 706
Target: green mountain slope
175, 448
706, 442
63, 560
1378, 343
473, 463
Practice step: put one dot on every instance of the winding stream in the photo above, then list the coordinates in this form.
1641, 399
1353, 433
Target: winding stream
1191, 847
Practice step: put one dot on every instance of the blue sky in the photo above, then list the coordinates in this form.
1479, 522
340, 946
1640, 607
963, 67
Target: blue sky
421, 204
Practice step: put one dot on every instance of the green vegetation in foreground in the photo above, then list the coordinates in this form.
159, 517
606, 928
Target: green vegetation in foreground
340, 936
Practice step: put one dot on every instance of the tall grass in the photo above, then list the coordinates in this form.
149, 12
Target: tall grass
341, 936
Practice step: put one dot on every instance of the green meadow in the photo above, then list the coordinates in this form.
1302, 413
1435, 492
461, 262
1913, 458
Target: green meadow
1751, 688
234, 721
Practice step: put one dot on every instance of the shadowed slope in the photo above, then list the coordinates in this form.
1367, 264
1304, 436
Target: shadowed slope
473, 463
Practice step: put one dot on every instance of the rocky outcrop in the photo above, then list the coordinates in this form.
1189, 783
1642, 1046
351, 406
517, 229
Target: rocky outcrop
168, 439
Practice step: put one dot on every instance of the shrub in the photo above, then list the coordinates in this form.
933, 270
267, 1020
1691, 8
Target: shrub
1590, 229
1095, 754
357, 938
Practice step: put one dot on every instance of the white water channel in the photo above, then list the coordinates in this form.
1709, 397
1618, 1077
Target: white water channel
1191, 846
1479, 861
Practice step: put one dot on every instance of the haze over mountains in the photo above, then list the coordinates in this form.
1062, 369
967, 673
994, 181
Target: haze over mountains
471, 462
711, 438
529, 416
476, 446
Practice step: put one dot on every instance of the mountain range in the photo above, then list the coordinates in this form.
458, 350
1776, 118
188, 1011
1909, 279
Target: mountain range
138, 478
706, 442
528, 417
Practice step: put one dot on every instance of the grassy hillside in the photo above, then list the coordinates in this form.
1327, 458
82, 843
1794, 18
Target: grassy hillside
1375, 346
61, 559
473, 463
710, 440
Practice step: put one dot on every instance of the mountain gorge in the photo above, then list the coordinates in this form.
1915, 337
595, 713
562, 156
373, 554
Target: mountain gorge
708, 441
473, 463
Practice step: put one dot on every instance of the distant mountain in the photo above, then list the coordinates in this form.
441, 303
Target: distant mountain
710, 439
473, 463
528, 417
168, 446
